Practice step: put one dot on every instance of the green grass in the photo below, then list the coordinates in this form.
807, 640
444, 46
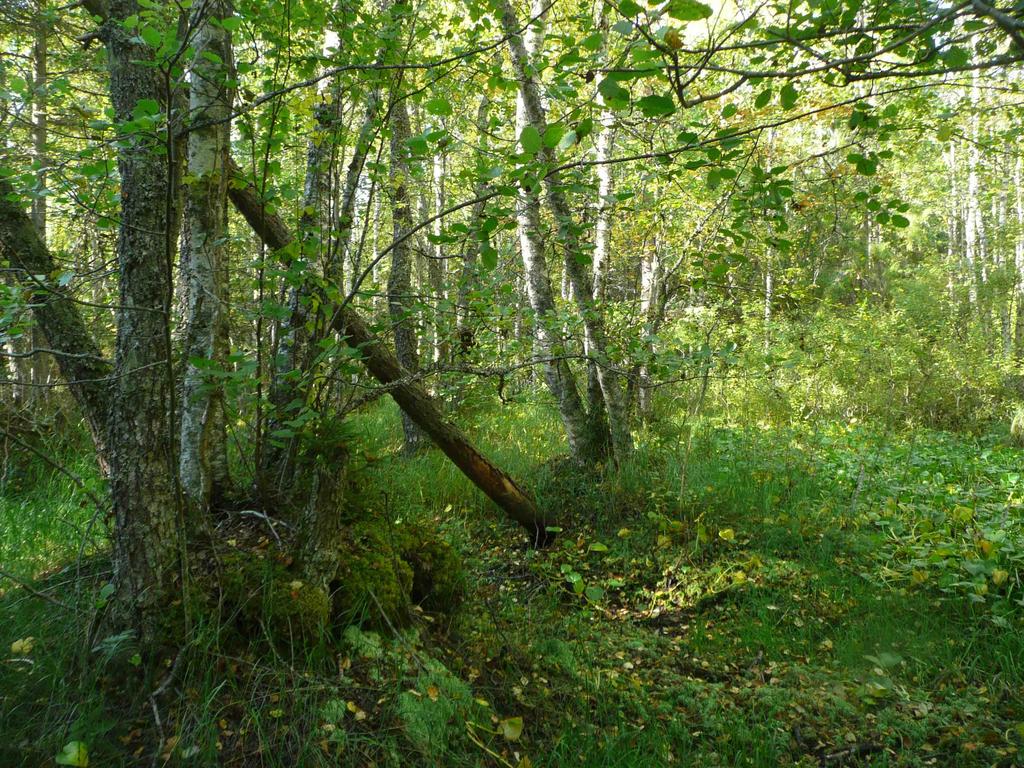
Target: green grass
805, 591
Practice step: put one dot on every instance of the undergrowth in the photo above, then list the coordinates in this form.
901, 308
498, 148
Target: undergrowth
816, 595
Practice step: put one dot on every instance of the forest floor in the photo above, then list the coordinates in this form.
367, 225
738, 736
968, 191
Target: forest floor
819, 596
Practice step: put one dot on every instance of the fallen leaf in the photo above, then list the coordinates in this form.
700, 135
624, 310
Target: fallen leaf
512, 728
74, 753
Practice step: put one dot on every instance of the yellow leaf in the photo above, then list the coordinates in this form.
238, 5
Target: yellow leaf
999, 577
432, 692
727, 534
23, 647
512, 728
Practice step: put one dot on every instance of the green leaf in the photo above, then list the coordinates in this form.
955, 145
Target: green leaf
592, 42
630, 8
688, 10
901, 222
146, 108
585, 128
439, 107
788, 96
955, 57
594, 593
656, 106
553, 135
763, 98
488, 256
231, 23
729, 110
597, 546
74, 753
530, 140
151, 37
614, 95
865, 166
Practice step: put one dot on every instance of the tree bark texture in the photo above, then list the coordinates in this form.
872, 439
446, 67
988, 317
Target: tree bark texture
203, 451
140, 443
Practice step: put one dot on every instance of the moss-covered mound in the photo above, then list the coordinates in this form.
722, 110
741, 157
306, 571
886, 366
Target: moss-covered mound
260, 594
388, 568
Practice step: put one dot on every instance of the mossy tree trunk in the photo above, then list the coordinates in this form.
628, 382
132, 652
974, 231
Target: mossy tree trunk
140, 441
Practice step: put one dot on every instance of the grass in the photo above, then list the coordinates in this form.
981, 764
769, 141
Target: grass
816, 595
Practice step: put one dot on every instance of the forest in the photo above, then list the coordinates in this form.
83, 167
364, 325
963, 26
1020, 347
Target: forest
512, 383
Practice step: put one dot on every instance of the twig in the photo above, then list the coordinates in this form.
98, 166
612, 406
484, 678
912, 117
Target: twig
34, 592
60, 468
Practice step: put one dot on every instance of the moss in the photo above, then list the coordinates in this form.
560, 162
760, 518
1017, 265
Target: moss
365, 645
438, 577
386, 568
374, 582
260, 593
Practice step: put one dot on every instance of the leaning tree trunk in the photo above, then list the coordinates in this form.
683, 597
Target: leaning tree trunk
203, 460
78, 357
412, 398
142, 465
612, 385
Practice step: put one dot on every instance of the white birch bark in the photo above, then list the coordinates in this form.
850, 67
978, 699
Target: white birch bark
203, 453
533, 114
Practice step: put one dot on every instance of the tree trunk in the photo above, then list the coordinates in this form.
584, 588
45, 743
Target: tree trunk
650, 301
39, 362
412, 398
549, 344
142, 465
289, 389
78, 357
533, 114
468, 278
203, 460
400, 276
